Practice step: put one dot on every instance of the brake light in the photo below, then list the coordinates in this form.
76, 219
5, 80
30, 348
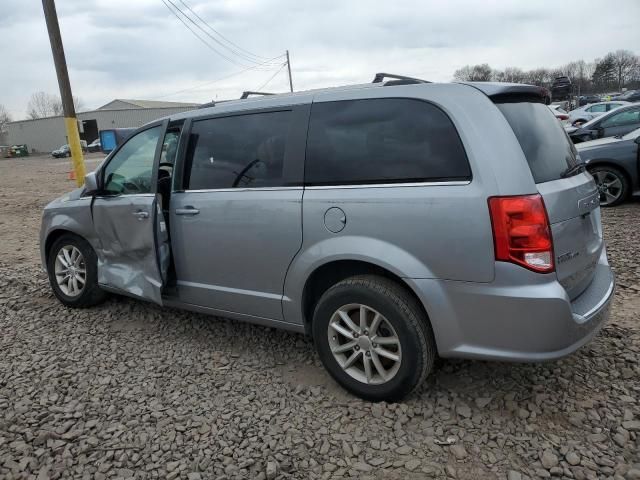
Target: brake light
521, 232
562, 116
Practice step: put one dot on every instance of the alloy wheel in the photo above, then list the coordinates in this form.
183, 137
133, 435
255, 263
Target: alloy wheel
609, 185
364, 344
70, 270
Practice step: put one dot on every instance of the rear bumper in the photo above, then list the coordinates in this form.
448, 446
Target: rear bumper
521, 316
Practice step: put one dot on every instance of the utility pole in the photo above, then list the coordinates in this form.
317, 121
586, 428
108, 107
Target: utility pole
289, 68
68, 109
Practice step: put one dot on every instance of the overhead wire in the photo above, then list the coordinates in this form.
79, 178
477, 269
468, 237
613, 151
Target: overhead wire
206, 84
235, 46
271, 78
240, 60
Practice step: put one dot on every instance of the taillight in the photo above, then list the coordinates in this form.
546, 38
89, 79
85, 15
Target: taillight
521, 232
562, 117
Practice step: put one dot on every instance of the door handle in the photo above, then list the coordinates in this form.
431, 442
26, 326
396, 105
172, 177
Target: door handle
141, 214
187, 211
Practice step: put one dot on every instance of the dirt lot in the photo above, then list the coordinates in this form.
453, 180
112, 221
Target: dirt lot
129, 390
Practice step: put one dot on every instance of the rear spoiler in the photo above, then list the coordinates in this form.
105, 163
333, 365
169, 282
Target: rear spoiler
512, 92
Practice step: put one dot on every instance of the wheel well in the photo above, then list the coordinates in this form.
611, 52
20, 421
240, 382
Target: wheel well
53, 236
327, 275
605, 163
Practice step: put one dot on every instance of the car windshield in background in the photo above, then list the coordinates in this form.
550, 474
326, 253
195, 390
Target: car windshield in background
546, 146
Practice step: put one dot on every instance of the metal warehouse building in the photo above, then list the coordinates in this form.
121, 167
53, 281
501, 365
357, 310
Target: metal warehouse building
47, 134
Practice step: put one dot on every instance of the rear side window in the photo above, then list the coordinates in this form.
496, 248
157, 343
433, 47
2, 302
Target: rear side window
382, 141
546, 146
243, 151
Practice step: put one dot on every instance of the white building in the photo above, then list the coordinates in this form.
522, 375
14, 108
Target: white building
47, 134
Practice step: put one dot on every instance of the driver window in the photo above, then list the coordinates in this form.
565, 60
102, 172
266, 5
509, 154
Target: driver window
130, 171
628, 117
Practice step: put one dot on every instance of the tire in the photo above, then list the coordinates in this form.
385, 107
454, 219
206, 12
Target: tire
88, 295
401, 320
612, 185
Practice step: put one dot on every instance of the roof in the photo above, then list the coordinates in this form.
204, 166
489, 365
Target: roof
120, 103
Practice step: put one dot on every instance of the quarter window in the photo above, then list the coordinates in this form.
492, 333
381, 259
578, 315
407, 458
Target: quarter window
382, 141
130, 171
243, 151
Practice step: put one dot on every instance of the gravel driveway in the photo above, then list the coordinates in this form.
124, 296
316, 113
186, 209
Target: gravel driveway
128, 390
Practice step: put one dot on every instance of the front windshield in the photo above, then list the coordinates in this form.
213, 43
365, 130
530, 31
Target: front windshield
632, 135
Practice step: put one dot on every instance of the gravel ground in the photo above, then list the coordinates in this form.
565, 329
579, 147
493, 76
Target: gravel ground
127, 390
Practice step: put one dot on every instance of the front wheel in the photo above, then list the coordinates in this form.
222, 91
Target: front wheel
373, 338
613, 186
72, 266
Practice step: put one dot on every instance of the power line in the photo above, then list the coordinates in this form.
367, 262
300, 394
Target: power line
238, 47
217, 80
211, 47
271, 77
240, 60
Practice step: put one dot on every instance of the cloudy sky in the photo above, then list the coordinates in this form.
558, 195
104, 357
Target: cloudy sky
139, 49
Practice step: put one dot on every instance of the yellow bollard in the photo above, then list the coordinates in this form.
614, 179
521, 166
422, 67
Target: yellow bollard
77, 159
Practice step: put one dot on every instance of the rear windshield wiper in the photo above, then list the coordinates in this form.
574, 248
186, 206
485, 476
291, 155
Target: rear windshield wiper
573, 170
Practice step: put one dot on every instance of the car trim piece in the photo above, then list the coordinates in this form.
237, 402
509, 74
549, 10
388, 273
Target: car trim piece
242, 189
391, 184
219, 288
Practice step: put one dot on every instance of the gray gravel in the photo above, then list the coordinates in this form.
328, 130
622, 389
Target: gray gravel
127, 390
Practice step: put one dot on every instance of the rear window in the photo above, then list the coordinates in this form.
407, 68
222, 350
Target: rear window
545, 144
382, 141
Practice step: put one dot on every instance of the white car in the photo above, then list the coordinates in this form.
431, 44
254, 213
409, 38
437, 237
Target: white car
592, 110
560, 113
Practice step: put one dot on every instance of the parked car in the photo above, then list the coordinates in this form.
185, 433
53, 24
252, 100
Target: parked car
614, 163
391, 222
620, 121
561, 88
588, 112
629, 96
95, 146
19, 151
560, 114
63, 151
586, 99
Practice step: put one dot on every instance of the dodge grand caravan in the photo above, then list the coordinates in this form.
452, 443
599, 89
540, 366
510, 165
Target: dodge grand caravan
392, 222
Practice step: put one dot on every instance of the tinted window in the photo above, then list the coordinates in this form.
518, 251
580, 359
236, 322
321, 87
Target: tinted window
238, 152
546, 146
382, 140
131, 169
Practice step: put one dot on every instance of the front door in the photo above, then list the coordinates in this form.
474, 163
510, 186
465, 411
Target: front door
237, 222
128, 219
620, 123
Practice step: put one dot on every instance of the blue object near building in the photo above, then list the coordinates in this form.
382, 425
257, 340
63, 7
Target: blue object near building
110, 139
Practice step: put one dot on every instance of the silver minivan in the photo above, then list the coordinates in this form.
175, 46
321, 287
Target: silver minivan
393, 222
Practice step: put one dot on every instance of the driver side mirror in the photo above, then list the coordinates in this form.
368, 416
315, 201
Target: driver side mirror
91, 186
637, 140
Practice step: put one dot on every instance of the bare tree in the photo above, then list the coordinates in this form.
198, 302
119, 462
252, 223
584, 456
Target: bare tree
474, 73
42, 104
625, 63
4, 118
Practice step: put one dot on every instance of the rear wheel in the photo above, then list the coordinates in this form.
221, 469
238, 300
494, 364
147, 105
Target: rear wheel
373, 338
613, 186
73, 272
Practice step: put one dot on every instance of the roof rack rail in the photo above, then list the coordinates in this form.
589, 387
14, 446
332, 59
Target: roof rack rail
397, 79
248, 94
212, 103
